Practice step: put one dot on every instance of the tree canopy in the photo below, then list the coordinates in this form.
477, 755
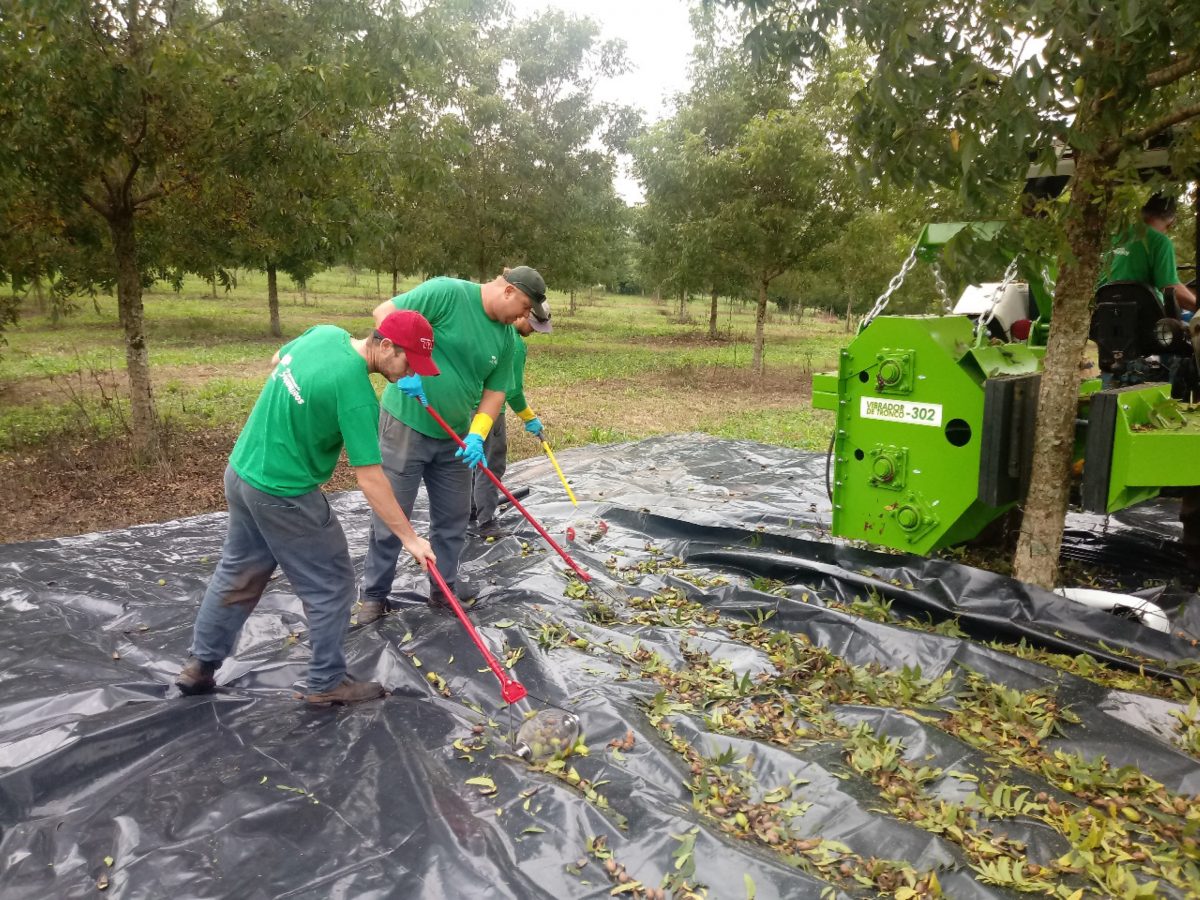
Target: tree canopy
152, 136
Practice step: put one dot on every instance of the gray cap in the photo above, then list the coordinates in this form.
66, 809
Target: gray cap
530, 282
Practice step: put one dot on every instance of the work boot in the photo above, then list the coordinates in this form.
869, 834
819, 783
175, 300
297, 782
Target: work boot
490, 529
371, 611
349, 691
196, 676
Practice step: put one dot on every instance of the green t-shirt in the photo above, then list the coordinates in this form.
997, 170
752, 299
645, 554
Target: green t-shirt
472, 352
516, 393
1144, 255
318, 398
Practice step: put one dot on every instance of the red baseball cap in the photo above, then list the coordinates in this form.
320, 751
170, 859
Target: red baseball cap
412, 333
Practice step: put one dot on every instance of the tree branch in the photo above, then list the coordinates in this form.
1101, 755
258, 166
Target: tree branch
1181, 68
153, 194
100, 41
1160, 125
96, 205
133, 170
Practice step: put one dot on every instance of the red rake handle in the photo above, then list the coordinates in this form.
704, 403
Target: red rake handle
583, 576
510, 689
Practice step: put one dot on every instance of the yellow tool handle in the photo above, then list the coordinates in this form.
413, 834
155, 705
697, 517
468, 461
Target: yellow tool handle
561, 476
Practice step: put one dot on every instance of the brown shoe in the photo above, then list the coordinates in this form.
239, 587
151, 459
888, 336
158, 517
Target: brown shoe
196, 677
371, 611
349, 691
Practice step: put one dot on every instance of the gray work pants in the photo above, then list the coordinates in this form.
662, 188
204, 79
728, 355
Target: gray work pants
303, 537
410, 458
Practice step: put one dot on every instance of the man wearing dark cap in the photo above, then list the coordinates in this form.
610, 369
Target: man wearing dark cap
484, 496
475, 346
318, 399
1147, 256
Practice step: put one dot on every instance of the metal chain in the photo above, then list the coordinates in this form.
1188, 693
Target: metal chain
893, 286
1046, 282
947, 303
990, 313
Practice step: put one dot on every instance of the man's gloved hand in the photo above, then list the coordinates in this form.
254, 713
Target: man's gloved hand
411, 385
472, 453
534, 427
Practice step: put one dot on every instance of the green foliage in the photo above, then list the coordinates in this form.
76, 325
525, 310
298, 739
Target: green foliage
1011, 80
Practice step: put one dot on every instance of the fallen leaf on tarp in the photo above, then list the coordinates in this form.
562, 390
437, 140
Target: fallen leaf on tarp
484, 783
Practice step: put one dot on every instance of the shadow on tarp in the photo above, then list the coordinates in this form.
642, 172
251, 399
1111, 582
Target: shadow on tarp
246, 793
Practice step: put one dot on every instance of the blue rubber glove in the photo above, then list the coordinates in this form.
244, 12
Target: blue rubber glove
412, 387
534, 427
472, 454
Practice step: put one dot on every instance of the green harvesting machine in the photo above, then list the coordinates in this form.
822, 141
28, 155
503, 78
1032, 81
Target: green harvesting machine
935, 414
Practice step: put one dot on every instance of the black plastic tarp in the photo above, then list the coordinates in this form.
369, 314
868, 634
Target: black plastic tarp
108, 777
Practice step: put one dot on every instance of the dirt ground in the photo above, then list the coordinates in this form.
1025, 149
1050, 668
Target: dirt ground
70, 488
96, 487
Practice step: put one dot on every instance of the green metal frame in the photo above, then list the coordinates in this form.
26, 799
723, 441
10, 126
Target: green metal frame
909, 401
1154, 443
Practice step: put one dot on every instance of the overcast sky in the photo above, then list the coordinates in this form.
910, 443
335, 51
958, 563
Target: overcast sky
658, 40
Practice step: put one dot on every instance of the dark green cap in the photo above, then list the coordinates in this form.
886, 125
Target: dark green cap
530, 282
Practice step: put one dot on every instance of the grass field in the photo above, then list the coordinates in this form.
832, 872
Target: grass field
621, 368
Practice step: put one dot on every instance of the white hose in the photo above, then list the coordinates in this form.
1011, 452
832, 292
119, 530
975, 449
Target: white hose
1145, 612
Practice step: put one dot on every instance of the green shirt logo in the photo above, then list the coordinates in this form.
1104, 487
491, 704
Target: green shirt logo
283, 371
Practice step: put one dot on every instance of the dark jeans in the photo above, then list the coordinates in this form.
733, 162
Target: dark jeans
484, 496
409, 458
302, 536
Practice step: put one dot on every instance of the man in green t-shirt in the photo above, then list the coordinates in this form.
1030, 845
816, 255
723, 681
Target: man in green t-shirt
484, 496
318, 399
474, 353
1146, 255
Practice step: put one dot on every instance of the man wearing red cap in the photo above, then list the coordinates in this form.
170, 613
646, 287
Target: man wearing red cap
318, 399
475, 346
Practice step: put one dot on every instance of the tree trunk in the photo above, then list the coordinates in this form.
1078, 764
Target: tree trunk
849, 312
395, 282
40, 296
712, 317
760, 319
1036, 559
571, 311
682, 306
146, 437
273, 299
214, 285
378, 287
